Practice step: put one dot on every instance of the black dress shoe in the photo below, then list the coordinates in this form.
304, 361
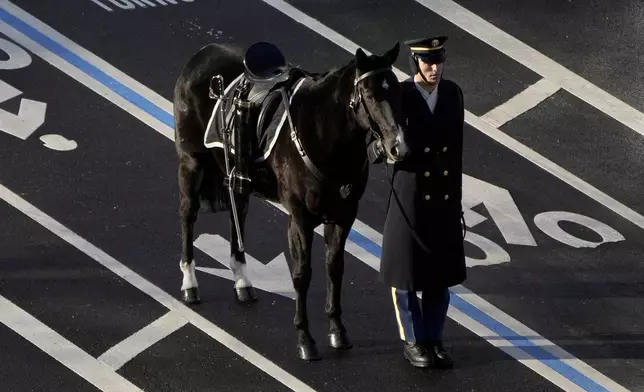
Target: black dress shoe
416, 354
440, 359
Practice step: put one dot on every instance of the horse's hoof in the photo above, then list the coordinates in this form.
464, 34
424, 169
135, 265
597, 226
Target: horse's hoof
191, 296
308, 352
246, 294
340, 341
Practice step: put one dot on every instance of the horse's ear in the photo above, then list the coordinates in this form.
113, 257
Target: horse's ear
361, 56
392, 55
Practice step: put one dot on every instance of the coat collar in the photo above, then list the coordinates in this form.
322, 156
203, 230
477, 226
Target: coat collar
420, 104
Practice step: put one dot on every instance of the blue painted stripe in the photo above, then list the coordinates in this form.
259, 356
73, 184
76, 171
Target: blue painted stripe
91, 70
500, 329
520, 341
365, 243
527, 345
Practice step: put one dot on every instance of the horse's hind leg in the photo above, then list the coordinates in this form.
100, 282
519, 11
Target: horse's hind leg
300, 236
243, 287
190, 177
335, 236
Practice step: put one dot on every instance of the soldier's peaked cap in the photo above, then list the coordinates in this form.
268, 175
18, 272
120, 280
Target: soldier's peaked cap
429, 49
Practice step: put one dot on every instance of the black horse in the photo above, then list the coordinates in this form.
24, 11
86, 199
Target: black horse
318, 175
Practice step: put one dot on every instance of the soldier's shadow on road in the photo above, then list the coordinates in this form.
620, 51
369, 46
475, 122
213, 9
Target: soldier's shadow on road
604, 346
470, 352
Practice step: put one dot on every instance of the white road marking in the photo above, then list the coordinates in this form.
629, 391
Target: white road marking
62, 350
501, 206
146, 337
544, 66
58, 142
537, 339
97, 2
84, 78
521, 103
18, 57
273, 276
470, 119
555, 170
512, 350
486, 128
30, 116
494, 253
549, 223
479, 124
79, 75
153, 291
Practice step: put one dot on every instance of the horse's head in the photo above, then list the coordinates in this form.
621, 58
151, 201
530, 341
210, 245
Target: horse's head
377, 100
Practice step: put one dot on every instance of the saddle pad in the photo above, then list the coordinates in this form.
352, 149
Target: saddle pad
263, 139
214, 130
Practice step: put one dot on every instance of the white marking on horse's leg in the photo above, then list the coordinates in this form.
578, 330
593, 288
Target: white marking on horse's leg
239, 272
189, 276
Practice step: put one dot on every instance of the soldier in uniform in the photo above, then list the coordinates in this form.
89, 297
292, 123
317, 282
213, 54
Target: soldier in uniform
422, 248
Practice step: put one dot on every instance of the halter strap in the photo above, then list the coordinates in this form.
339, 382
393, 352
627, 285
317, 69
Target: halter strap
367, 74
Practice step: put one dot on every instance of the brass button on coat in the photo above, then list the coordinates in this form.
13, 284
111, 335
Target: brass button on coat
426, 174
446, 197
444, 148
426, 197
426, 149
445, 173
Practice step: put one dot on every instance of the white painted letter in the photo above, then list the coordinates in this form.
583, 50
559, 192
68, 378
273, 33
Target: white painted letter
123, 4
548, 223
142, 3
501, 207
18, 57
102, 5
493, 252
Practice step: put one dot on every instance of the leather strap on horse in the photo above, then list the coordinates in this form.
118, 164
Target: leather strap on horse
298, 143
296, 140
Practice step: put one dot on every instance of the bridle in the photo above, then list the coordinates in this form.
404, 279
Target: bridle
357, 99
354, 104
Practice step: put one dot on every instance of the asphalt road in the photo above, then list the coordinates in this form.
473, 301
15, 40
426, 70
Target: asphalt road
117, 190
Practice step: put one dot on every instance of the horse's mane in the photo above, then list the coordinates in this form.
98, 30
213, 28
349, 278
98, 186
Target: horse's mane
328, 82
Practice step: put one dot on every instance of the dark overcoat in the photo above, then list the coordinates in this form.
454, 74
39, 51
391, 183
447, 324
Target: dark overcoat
428, 184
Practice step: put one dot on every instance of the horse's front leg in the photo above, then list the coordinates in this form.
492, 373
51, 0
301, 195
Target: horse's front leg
335, 237
300, 236
243, 287
190, 177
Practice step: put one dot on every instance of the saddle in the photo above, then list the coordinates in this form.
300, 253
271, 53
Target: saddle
266, 68
270, 80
